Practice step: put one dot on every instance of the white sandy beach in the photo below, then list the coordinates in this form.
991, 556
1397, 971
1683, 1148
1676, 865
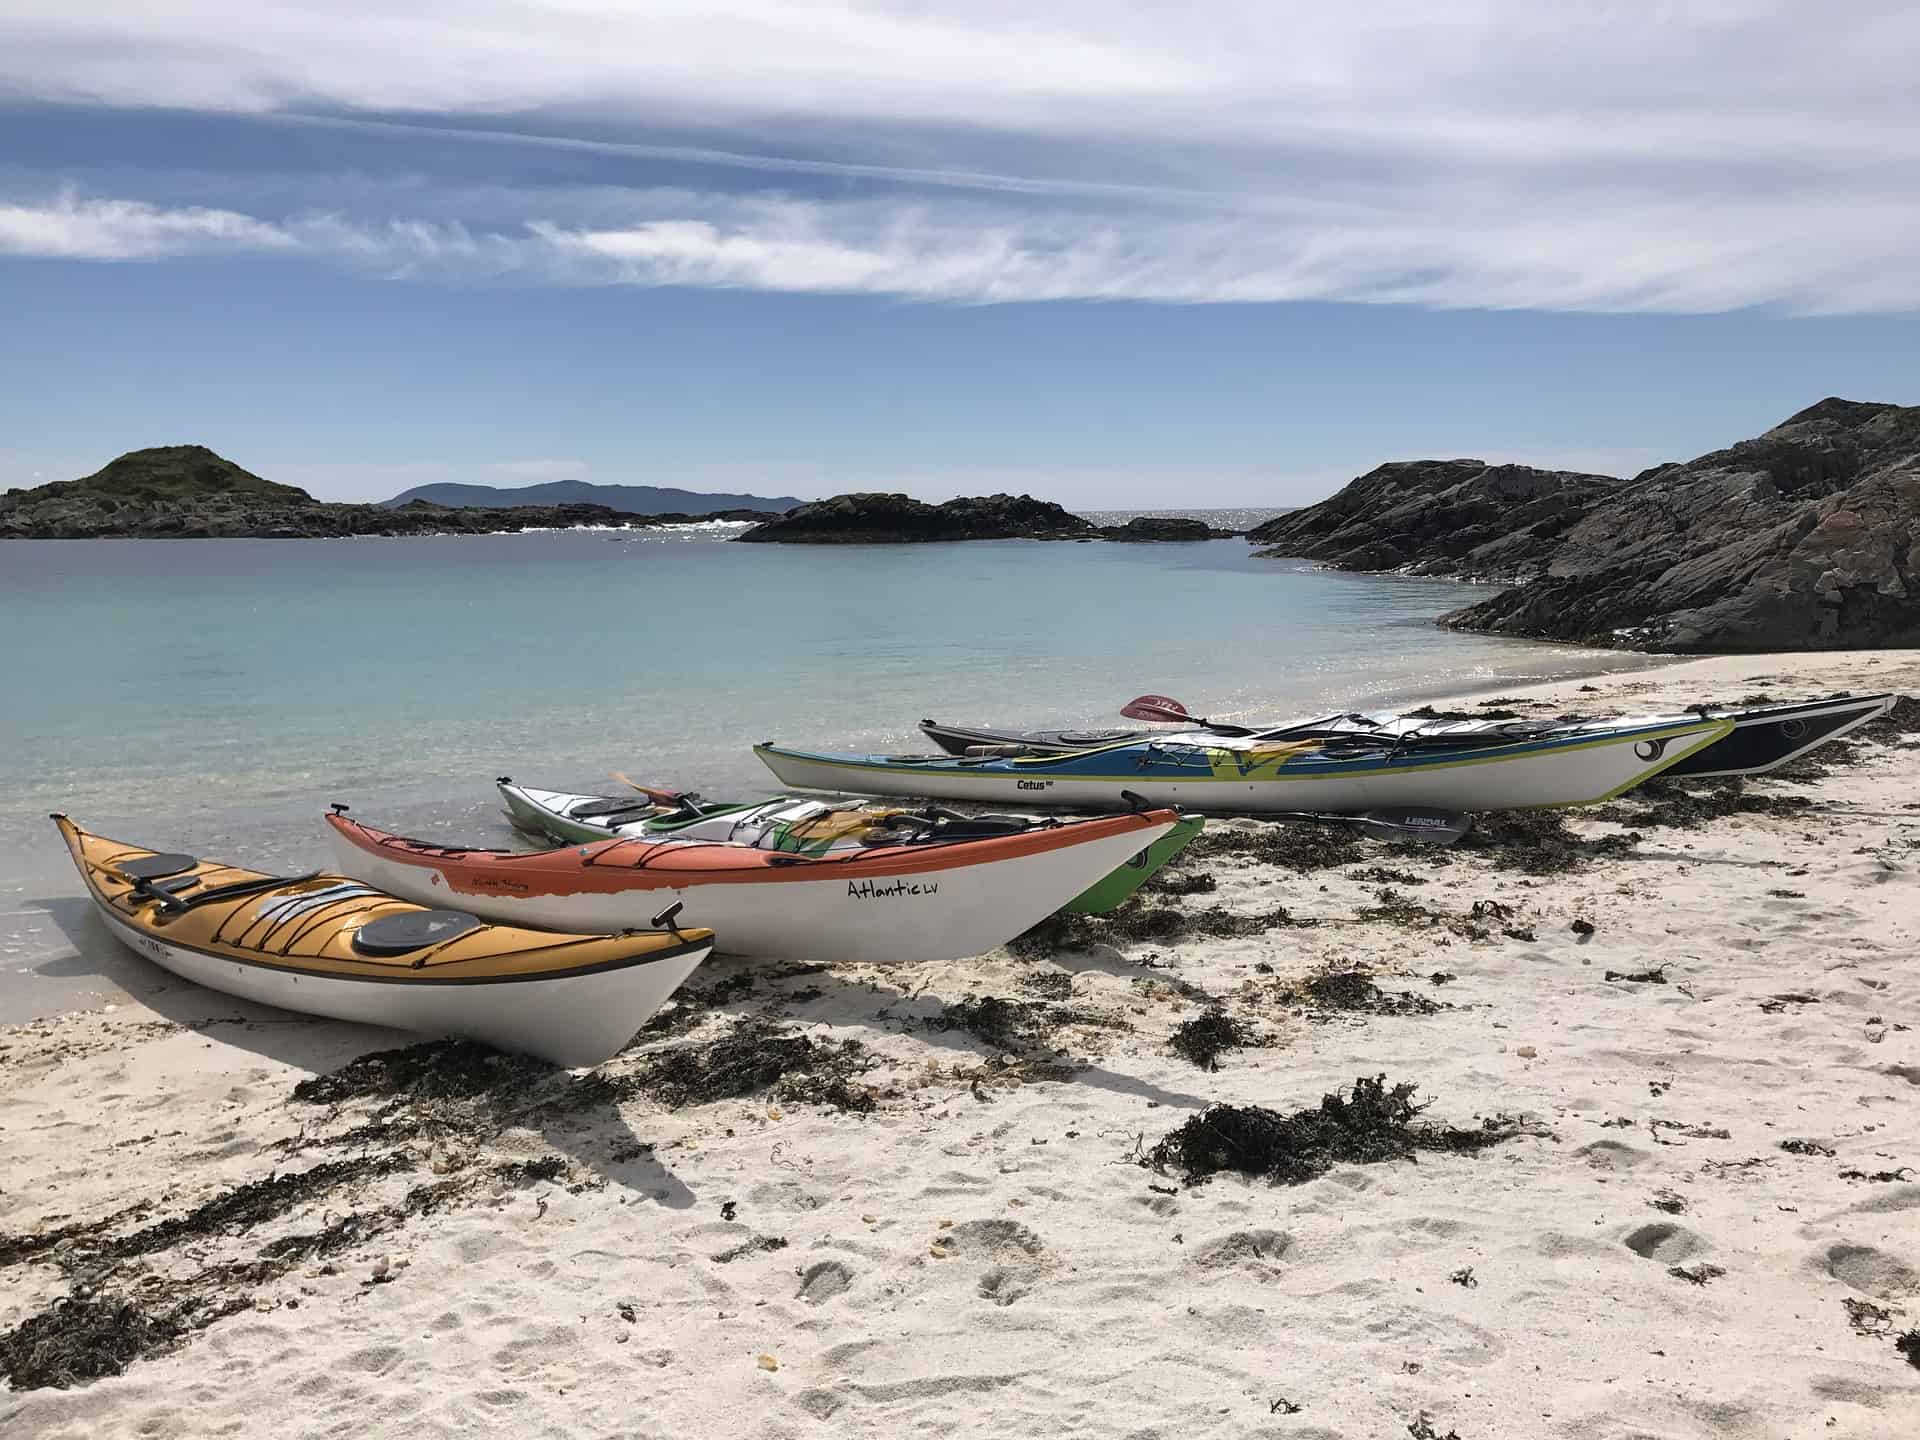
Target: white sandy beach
981, 1254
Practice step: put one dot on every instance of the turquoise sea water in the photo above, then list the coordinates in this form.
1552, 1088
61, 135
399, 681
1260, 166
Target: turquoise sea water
214, 695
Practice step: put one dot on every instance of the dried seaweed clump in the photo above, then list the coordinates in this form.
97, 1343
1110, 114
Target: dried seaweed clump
1138, 923
77, 1339
1898, 723
432, 1070
1376, 1122
1288, 844
1666, 804
1205, 1037
758, 1054
1182, 882
1540, 842
1013, 1024
998, 1021
1351, 990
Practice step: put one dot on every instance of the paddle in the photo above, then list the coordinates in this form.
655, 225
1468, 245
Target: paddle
1416, 824
675, 799
1166, 710
1161, 709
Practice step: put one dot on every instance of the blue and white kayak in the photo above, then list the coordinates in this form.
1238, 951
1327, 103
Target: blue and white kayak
1252, 774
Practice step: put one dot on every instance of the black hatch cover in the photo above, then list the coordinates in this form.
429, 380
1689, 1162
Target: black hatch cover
155, 867
402, 934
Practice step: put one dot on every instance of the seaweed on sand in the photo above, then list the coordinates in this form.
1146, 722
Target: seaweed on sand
1182, 882
1207, 1035
1898, 723
82, 1338
230, 1212
1806, 1147
1372, 1124
432, 1070
1382, 875
1137, 922
1000, 1022
1351, 990
756, 1054
1540, 842
1013, 1024
1666, 804
1393, 908
1049, 984
1909, 1346
1288, 844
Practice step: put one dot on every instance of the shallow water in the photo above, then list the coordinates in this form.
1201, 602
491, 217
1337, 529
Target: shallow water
215, 695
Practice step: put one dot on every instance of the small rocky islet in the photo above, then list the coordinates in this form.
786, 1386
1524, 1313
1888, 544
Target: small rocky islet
891, 519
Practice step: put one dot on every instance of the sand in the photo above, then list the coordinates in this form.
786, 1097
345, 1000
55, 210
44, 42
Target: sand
983, 1251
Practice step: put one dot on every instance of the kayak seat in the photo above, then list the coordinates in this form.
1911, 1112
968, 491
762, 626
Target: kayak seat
984, 827
173, 904
613, 805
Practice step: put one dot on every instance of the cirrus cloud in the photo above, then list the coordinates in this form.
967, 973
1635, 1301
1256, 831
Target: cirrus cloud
1673, 259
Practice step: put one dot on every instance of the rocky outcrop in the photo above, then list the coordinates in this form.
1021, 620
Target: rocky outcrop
1164, 527
877, 519
1441, 517
188, 492
1807, 537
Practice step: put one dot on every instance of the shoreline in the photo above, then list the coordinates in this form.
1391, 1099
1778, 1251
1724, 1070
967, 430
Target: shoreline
1660, 994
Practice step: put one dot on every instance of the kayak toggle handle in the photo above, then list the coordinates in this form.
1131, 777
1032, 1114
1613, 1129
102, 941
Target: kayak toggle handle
669, 917
338, 808
1135, 800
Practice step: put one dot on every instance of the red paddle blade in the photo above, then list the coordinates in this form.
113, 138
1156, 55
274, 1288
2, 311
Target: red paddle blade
1154, 707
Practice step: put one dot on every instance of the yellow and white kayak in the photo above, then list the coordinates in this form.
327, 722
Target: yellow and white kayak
326, 945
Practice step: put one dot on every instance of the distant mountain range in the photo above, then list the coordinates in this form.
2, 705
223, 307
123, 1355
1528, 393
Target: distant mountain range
631, 499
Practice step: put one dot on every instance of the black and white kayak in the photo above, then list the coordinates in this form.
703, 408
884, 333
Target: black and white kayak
1763, 737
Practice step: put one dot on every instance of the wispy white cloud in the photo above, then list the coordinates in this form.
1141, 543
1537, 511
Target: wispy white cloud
1444, 251
1500, 153
73, 229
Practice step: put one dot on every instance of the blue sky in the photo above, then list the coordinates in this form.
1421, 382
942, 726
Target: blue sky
1109, 256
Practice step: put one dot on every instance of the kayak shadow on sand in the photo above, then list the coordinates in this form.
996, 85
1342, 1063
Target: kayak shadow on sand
592, 1133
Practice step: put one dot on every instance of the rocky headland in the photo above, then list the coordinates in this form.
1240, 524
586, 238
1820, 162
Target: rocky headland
888, 519
1806, 537
189, 492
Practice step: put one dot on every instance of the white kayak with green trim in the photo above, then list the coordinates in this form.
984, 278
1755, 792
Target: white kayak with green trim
1251, 775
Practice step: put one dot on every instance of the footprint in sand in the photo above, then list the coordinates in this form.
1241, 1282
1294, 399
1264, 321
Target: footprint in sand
820, 1283
1003, 1286
1018, 1253
1001, 1239
1908, 1073
1240, 1246
1610, 1155
1870, 1271
1669, 1244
